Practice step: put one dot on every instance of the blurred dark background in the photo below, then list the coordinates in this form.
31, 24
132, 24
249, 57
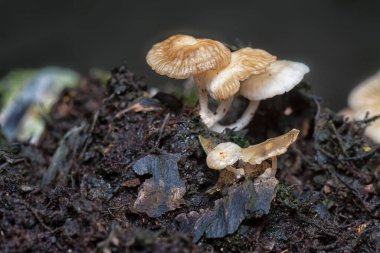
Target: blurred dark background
339, 40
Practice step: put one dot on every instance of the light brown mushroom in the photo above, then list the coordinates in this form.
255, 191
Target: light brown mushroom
365, 99
183, 56
269, 149
280, 77
227, 154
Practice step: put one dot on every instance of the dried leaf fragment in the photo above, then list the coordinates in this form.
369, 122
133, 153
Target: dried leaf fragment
246, 200
162, 192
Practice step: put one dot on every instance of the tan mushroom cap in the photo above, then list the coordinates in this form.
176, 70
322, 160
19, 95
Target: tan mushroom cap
245, 62
365, 98
183, 56
373, 131
280, 77
270, 148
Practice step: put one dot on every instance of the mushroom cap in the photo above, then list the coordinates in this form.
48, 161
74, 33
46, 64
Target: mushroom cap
223, 155
270, 148
280, 77
365, 98
183, 56
373, 131
245, 62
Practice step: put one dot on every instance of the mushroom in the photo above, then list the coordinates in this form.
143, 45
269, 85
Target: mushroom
269, 149
223, 156
280, 77
223, 84
226, 154
364, 99
183, 56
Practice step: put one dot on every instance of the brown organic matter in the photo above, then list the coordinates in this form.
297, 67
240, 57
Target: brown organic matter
323, 202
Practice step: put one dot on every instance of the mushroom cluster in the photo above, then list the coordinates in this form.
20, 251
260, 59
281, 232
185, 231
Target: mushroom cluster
364, 100
226, 155
221, 74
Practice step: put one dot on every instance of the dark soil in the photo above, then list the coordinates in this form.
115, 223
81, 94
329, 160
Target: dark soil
103, 181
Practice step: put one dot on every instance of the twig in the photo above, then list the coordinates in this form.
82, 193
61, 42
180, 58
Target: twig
37, 216
92, 127
374, 150
325, 152
337, 135
9, 159
166, 119
122, 112
328, 246
353, 191
317, 114
312, 222
368, 120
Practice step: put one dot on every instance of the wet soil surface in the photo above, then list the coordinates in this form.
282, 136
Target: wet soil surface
117, 171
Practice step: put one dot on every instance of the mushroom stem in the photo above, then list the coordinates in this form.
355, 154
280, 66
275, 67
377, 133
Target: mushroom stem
204, 112
208, 117
220, 112
238, 172
242, 122
274, 166
222, 109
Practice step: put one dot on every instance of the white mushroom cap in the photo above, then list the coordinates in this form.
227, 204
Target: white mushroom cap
245, 62
279, 78
365, 98
223, 155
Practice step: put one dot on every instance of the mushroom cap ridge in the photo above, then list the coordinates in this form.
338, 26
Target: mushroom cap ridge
183, 56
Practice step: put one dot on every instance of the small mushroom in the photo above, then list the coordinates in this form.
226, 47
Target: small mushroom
226, 154
269, 149
365, 99
183, 56
223, 84
223, 155
280, 77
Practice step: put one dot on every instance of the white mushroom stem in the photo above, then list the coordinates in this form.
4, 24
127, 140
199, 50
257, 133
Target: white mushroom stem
274, 166
220, 112
208, 117
204, 112
242, 121
238, 172
222, 109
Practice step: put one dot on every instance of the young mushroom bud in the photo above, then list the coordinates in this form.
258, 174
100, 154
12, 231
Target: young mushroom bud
183, 56
280, 77
365, 99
